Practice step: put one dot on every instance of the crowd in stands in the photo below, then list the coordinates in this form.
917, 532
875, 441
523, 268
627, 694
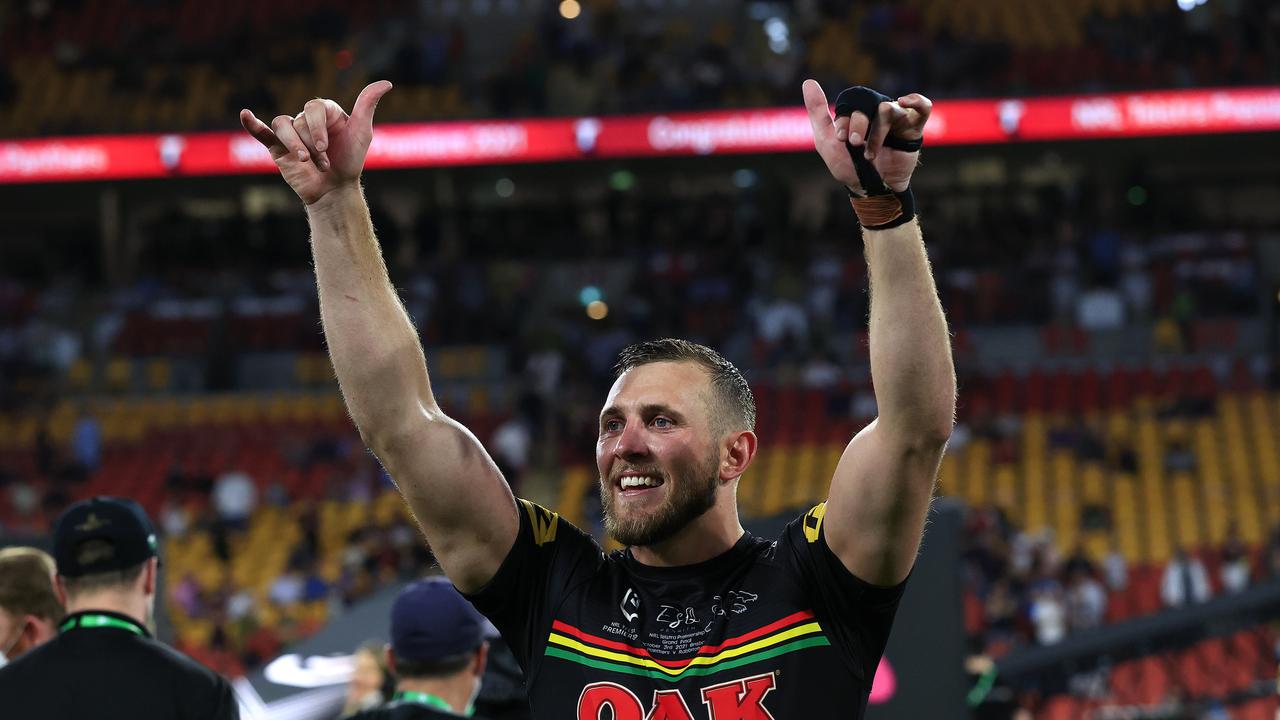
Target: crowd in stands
192, 65
1022, 591
763, 273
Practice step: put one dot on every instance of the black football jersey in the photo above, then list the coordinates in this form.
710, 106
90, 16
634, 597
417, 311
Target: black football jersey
772, 628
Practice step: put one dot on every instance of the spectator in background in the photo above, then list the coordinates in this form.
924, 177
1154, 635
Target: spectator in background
104, 663
1001, 610
1115, 568
173, 518
437, 654
1048, 612
820, 371
29, 607
1086, 601
314, 586
1179, 458
1185, 581
1271, 554
86, 441
371, 683
186, 595
288, 588
1235, 570
511, 443
235, 497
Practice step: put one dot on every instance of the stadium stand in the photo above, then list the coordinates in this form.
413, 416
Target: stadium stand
178, 65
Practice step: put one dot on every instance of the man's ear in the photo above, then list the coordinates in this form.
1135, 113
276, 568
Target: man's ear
42, 630
149, 575
390, 658
739, 452
482, 659
60, 590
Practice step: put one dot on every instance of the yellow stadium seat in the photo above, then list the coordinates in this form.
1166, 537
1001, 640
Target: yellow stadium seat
1247, 500
1035, 472
574, 486
949, 476
80, 376
801, 490
119, 374
1006, 494
1066, 518
1186, 511
159, 373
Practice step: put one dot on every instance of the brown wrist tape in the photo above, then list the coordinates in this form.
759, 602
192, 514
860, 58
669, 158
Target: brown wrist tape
877, 210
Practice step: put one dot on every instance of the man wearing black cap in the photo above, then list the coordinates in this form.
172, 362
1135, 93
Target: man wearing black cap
104, 663
437, 653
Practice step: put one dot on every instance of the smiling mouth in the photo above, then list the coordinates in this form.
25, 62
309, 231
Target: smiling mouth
636, 484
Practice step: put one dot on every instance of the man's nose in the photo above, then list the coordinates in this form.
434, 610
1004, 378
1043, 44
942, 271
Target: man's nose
631, 442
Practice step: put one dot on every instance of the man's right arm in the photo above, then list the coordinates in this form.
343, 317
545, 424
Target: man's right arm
454, 489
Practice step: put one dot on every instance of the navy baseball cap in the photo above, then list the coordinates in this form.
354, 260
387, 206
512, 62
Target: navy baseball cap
430, 620
120, 521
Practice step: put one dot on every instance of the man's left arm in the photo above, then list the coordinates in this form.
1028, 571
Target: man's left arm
880, 493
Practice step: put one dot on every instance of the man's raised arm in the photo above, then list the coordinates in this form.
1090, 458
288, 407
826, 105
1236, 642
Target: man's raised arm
461, 501
883, 484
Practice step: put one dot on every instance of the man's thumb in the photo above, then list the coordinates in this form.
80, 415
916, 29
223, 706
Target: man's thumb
367, 102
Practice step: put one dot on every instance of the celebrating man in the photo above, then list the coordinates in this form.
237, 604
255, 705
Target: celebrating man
695, 618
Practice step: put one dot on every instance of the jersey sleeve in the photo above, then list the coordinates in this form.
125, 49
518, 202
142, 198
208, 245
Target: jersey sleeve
550, 556
856, 614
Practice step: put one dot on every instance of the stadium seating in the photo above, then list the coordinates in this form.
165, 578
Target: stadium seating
62, 63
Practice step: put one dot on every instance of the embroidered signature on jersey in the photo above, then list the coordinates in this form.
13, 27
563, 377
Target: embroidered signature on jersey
674, 617
736, 602
742, 699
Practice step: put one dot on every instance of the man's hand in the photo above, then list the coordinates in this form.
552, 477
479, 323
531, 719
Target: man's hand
835, 139
321, 148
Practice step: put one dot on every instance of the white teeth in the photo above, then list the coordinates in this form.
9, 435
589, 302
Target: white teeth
632, 481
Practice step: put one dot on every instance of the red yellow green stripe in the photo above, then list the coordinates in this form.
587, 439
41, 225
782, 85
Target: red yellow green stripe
818, 641
794, 632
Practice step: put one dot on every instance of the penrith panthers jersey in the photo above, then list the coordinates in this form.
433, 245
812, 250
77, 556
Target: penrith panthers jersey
769, 629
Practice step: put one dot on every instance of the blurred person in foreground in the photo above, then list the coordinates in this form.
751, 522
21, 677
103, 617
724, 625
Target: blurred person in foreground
371, 683
695, 615
104, 663
437, 654
29, 608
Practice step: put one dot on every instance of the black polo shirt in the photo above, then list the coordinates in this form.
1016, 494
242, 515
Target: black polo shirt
105, 665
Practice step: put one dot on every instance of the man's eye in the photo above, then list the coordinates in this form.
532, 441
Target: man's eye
612, 425
662, 422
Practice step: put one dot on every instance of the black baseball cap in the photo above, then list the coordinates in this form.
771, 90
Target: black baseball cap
430, 620
120, 521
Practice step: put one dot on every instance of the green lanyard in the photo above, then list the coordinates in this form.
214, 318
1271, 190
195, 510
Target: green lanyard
101, 621
429, 700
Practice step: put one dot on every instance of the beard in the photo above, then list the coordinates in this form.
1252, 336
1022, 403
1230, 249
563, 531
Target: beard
692, 494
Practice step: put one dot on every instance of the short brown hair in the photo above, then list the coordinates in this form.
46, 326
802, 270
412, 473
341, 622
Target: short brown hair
26, 584
728, 384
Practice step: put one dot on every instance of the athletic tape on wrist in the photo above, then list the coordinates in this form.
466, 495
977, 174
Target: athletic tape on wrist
881, 207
